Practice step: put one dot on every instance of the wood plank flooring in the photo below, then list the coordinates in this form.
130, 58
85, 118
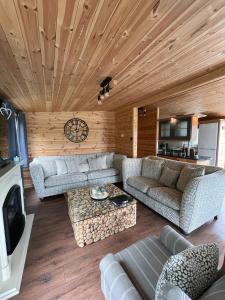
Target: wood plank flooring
56, 268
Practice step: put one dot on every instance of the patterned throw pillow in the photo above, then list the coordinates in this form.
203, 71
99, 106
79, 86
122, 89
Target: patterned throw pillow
188, 173
151, 168
192, 270
169, 177
98, 163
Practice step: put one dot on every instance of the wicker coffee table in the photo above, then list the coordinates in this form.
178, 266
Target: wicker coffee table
95, 220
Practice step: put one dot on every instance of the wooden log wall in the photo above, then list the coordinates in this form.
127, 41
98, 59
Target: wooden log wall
148, 132
3, 137
126, 132
45, 134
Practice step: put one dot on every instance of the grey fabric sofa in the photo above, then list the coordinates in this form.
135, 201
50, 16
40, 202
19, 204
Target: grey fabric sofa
132, 273
47, 182
200, 202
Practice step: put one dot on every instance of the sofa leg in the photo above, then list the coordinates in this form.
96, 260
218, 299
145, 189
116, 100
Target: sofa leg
216, 218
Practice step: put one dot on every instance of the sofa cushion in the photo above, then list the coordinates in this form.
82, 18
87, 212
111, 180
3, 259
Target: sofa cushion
215, 291
192, 270
151, 168
72, 166
144, 262
169, 177
167, 196
109, 158
142, 184
61, 167
83, 167
188, 173
49, 167
98, 163
102, 173
56, 180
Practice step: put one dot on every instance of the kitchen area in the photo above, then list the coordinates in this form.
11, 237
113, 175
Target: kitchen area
193, 139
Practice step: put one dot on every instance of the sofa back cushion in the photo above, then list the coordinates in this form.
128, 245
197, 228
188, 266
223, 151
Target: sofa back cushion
98, 163
49, 168
61, 166
109, 158
152, 168
169, 177
192, 270
178, 165
188, 173
72, 166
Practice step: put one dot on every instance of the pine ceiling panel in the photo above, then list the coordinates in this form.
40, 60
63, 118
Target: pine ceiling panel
55, 53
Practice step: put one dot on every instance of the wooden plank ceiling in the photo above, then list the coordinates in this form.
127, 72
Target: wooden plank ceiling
54, 54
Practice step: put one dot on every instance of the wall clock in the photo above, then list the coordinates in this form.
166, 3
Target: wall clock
76, 130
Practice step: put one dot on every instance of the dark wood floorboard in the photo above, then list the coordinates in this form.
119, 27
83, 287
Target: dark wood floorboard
56, 268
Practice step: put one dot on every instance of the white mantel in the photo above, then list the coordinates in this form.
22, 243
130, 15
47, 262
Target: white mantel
11, 267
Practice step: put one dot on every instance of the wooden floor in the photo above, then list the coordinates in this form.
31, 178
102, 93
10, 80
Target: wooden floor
56, 268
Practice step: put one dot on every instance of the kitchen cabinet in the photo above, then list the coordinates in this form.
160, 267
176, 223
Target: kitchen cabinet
175, 129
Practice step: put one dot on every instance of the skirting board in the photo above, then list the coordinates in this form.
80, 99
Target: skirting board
11, 287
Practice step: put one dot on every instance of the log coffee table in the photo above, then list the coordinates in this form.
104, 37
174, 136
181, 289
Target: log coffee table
95, 220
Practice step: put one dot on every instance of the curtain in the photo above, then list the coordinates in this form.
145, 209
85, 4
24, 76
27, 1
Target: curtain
22, 138
17, 135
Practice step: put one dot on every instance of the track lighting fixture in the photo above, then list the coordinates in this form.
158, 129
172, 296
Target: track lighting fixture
105, 88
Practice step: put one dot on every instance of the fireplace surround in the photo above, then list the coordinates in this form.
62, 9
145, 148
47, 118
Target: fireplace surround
14, 219
15, 229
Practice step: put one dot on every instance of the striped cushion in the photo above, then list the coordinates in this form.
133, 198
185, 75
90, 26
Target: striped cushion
143, 262
216, 291
173, 240
114, 281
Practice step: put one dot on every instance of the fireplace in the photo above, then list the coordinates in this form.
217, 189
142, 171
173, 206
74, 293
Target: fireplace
15, 229
14, 219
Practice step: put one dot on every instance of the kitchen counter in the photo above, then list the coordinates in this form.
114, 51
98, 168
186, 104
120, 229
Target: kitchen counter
201, 160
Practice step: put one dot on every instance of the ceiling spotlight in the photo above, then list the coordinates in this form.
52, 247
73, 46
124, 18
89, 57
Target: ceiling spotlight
105, 87
99, 100
106, 91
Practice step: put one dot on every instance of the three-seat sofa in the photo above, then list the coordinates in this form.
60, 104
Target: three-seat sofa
48, 181
199, 202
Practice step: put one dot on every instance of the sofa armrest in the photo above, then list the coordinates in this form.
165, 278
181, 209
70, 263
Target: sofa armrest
170, 292
202, 200
117, 162
131, 167
38, 178
173, 241
115, 282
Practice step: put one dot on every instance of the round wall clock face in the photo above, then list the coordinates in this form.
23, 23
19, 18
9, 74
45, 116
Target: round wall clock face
76, 130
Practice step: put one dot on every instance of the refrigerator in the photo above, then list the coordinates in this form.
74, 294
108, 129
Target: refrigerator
208, 141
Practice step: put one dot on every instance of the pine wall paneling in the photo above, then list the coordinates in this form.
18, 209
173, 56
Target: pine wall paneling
148, 132
3, 137
126, 131
45, 134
